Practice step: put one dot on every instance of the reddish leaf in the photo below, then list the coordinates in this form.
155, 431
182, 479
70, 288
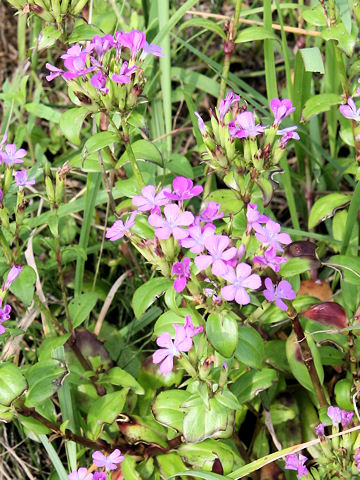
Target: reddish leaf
327, 313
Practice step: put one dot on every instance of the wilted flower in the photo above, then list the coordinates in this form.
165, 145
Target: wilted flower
153, 49
287, 134
98, 81
108, 461
320, 430
119, 228
270, 259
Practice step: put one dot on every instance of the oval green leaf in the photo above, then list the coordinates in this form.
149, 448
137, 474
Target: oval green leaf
326, 206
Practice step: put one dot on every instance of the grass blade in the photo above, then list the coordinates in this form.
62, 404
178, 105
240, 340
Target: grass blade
270, 72
55, 460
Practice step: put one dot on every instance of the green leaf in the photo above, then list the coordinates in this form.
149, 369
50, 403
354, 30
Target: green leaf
71, 122
180, 165
143, 150
81, 306
320, 103
312, 58
48, 37
43, 111
165, 322
248, 385
166, 408
206, 24
314, 16
105, 410
349, 265
197, 474
100, 140
49, 344
146, 294
144, 429
83, 32
23, 287
295, 266
228, 399
229, 201
338, 32
222, 332
250, 349
255, 33
326, 206
117, 376
44, 378
128, 469
12, 383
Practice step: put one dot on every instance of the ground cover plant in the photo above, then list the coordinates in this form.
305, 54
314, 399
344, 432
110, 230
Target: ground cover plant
179, 237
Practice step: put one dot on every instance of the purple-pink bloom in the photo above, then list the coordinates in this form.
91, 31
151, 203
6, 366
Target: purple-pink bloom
124, 75
244, 126
99, 476
172, 223
133, 40
182, 270
75, 62
225, 104
153, 49
218, 253
239, 279
100, 45
270, 259
119, 228
149, 200
254, 217
270, 235
346, 418
282, 290
190, 330
4, 315
294, 462
281, 109
334, 413
201, 124
239, 255
211, 212
21, 178
81, 474
287, 134
195, 240
108, 461
98, 81
12, 276
54, 72
3, 140
350, 111
11, 156
320, 430
183, 189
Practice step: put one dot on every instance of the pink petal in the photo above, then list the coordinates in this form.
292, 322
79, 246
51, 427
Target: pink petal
171, 212
180, 233
228, 292
185, 218
99, 458
243, 270
180, 284
203, 261
219, 268
241, 296
167, 365
164, 340
229, 253
163, 233
253, 281
159, 355
156, 221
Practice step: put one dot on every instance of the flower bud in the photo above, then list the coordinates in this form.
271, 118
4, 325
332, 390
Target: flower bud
12, 276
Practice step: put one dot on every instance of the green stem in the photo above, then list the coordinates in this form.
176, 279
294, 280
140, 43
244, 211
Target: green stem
130, 152
62, 284
6, 249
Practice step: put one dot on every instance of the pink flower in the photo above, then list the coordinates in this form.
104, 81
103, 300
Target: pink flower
294, 462
240, 279
211, 212
216, 246
281, 109
100, 476
181, 269
238, 257
195, 240
190, 330
254, 217
283, 290
201, 124
320, 430
54, 72
349, 110
12, 276
4, 315
270, 235
170, 225
11, 156
21, 179
133, 40
183, 189
98, 81
153, 49
75, 61
269, 259
225, 104
148, 200
287, 134
124, 75
100, 45
335, 414
81, 474
108, 461
346, 418
119, 229
244, 126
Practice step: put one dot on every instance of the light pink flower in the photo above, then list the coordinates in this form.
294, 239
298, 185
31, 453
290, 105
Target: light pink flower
270, 235
244, 126
149, 200
98, 81
11, 156
12, 276
225, 104
133, 40
270, 259
254, 217
172, 223
4, 315
350, 111
119, 228
282, 291
195, 240
81, 474
124, 75
239, 279
294, 462
108, 461
287, 134
216, 246
281, 109
183, 189
211, 212
21, 178
54, 72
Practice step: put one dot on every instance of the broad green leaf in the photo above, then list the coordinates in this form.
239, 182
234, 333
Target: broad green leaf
250, 348
81, 306
143, 150
295, 266
43, 111
229, 201
349, 265
144, 429
23, 287
71, 122
250, 34
165, 322
44, 378
196, 474
170, 463
251, 383
117, 376
166, 408
83, 32
147, 293
12, 383
48, 37
100, 140
320, 103
49, 344
222, 332
314, 16
227, 399
343, 394
207, 24
180, 165
312, 58
128, 469
105, 410
32, 425
326, 206
338, 32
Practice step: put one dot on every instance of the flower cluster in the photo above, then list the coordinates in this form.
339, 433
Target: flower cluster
107, 70
297, 463
5, 311
340, 416
107, 462
10, 156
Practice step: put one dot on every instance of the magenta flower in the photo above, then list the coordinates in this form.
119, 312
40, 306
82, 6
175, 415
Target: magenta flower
190, 330
108, 461
100, 45
320, 430
54, 72
196, 238
211, 212
119, 228
133, 40
294, 462
254, 217
281, 109
75, 61
334, 413
283, 290
201, 124
239, 279
270, 235
81, 474
287, 134
349, 110
270, 259
183, 189
216, 246
124, 75
182, 270
98, 81
4, 315
11, 156
244, 126
346, 418
12, 276
21, 179
149, 200
153, 49
239, 255
225, 104
99, 476
172, 223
